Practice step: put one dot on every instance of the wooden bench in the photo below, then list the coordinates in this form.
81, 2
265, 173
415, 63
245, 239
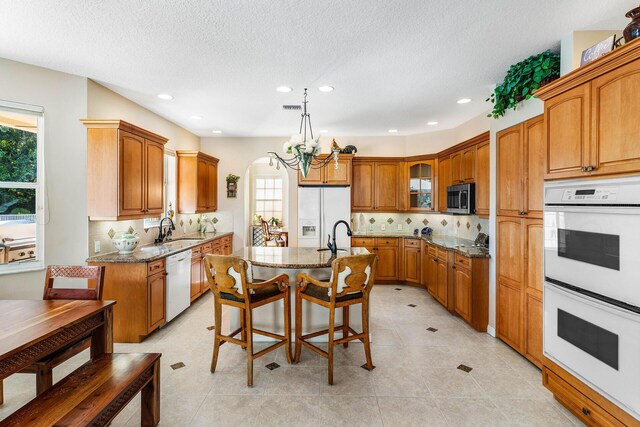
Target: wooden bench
96, 392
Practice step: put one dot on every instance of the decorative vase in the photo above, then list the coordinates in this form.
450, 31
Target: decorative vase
633, 29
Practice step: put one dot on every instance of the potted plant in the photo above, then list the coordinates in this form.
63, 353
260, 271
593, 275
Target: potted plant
274, 221
522, 80
232, 185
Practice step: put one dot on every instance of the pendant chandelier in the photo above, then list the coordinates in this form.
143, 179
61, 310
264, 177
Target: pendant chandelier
305, 150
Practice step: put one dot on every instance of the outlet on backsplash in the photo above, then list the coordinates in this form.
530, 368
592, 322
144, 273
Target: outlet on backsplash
383, 227
399, 227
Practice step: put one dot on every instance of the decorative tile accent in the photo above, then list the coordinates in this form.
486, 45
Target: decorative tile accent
146, 230
465, 368
365, 367
190, 221
177, 365
130, 230
181, 223
398, 289
479, 227
425, 221
271, 366
468, 225
408, 220
444, 222
412, 305
371, 220
111, 233
458, 223
430, 329
214, 220
198, 220
390, 220
211, 328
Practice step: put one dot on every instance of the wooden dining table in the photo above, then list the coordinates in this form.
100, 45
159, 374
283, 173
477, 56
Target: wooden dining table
33, 329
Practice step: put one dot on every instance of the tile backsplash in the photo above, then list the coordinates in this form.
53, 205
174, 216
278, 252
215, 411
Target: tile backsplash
462, 226
104, 231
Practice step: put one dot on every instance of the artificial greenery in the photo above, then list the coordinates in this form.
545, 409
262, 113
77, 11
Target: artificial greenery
522, 80
232, 178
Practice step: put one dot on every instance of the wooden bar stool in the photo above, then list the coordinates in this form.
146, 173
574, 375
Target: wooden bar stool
232, 284
352, 279
95, 275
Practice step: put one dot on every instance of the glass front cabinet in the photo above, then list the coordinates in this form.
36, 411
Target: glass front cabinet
421, 178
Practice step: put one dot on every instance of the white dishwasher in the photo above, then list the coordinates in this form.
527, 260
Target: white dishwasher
178, 284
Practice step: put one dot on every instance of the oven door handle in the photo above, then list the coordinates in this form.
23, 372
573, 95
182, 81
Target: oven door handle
616, 210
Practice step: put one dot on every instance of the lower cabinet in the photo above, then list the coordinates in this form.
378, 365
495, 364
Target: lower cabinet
156, 294
197, 261
509, 320
463, 292
411, 271
442, 282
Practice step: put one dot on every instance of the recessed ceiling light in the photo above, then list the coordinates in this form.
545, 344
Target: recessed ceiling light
393, 130
165, 96
464, 100
196, 117
216, 131
284, 89
325, 88
324, 131
432, 123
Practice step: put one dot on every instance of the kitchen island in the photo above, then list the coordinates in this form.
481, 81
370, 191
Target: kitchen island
268, 262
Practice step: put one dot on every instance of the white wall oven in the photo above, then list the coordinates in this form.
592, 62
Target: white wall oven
592, 284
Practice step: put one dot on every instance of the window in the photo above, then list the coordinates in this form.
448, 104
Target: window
268, 197
21, 188
169, 189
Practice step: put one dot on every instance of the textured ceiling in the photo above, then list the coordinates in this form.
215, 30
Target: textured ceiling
394, 63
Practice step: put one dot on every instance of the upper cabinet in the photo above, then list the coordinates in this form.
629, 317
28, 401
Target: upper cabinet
444, 180
329, 175
377, 186
520, 158
482, 178
421, 185
591, 116
463, 166
125, 171
197, 182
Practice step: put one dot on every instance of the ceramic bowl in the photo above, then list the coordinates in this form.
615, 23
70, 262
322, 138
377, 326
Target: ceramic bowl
124, 245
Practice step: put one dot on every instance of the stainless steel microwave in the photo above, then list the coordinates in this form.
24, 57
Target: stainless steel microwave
461, 199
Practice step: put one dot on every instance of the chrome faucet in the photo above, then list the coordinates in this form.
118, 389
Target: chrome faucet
161, 235
331, 243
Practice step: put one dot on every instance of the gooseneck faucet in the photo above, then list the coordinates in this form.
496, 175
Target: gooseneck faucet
331, 243
161, 234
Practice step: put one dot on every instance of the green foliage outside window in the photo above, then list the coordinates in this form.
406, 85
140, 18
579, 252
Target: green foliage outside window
18, 161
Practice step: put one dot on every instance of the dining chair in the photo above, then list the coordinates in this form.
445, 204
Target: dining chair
351, 281
232, 284
270, 237
43, 369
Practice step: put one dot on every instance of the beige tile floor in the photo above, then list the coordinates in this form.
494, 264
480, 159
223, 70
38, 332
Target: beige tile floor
416, 381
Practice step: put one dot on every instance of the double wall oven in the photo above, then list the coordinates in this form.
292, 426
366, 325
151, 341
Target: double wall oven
592, 284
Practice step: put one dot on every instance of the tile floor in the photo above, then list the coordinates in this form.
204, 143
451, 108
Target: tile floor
416, 381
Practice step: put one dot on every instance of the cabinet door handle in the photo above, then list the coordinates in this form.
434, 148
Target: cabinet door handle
454, 267
586, 411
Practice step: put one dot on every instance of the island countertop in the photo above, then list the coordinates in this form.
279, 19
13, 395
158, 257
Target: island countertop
292, 257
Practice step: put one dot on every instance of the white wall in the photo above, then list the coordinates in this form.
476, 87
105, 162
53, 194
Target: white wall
573, 44
103, 103
63, 97
526, 110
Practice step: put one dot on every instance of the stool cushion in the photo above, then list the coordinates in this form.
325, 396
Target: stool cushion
323, 293
258, 294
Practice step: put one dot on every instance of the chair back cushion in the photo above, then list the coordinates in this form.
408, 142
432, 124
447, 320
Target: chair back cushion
354, 273
228, 274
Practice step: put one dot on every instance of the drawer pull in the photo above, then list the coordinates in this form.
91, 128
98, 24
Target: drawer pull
586, 411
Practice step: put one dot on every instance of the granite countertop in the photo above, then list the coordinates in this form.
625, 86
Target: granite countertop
462, 246
149, 253
291, 257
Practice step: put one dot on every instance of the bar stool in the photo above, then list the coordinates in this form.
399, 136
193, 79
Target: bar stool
43, 369
352, 279
232, 284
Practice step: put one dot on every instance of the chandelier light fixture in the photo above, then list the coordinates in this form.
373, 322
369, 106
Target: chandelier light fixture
305, 150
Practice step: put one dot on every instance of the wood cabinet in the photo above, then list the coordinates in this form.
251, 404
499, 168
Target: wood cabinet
412, 261
430, 268
591, 118
377, 186
442, 282
471, 290
197, 182
125, 171
388, 251
329, 175
444, 180
483, 186
520, 172
197, 269
519, 285
463, 292
456, 168
463, 166
156, 286
421, 177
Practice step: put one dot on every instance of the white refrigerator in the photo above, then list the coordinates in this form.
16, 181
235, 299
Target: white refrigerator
318, 210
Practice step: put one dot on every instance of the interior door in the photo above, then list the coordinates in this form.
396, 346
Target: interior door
131, 174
